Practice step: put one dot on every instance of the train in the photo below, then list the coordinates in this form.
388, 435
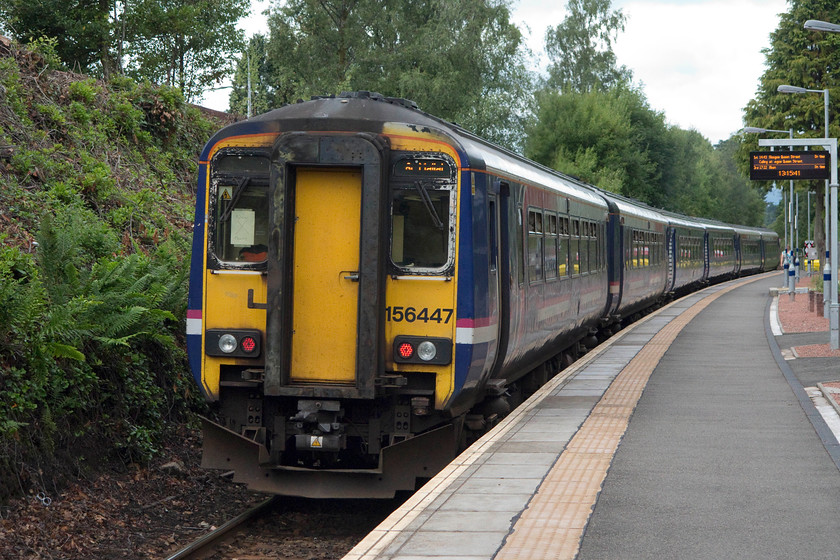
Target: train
372, 288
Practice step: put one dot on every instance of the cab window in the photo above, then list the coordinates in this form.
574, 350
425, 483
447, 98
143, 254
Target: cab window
422, 214
240, 208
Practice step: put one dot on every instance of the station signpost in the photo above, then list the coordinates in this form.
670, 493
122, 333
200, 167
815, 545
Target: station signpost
800, 165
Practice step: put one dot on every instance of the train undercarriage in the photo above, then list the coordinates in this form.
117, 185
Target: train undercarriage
357, 448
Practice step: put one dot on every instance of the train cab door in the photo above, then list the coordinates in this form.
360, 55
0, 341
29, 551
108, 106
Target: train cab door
325, 277
325, 284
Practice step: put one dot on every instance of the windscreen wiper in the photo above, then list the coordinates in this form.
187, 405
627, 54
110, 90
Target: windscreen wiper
240, 188
427, 202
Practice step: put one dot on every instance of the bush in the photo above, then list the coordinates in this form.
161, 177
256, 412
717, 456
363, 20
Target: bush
92, 339
46, 48
84, 91
95, 217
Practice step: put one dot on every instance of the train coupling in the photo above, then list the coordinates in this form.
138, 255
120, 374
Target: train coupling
320, 426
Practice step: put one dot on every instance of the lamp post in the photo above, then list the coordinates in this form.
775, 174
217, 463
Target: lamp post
794, 89
808, 214
791, 279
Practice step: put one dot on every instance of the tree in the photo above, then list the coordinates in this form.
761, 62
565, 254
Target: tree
611, 139
614, 140
732, 198
802, 58
184, 43
580, 48
83, 29
460, 60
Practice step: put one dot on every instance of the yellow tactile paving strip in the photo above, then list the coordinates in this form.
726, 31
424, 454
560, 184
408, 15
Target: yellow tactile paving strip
552, 525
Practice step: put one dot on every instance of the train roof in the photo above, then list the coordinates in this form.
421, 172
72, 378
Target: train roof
350, 111
682, 221
368, 111
523, 170
365, 111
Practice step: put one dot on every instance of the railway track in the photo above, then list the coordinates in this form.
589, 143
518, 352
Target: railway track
207, 541
291, 528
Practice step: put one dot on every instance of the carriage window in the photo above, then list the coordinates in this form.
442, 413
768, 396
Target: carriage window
563, 248
422, 212
574, 249
584, 247
518, 247
240, 208
535, 245
550, 245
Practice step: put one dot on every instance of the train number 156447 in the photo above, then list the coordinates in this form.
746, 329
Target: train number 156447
412, 314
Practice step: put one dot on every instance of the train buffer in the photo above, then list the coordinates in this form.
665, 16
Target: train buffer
687, 435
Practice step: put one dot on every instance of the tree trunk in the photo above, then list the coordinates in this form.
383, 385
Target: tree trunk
105, 56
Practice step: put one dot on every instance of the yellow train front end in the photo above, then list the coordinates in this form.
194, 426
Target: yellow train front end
323, 304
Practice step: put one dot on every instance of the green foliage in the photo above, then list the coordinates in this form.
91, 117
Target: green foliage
802, 58
95, 216
580, 48
608, 138
12, 92
79, 113
93, 337
614, 140
84, 91
183, 43
253, 65
79, 33
463, 61
52, 114
47, 49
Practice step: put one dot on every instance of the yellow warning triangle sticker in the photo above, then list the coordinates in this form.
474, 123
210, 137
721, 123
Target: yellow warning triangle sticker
227, 193
316, 441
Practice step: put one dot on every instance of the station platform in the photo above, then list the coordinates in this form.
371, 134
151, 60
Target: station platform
687, 435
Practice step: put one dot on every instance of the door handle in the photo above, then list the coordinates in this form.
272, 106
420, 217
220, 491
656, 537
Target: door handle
353, 277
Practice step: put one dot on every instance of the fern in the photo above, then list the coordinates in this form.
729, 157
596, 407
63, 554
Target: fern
58, 350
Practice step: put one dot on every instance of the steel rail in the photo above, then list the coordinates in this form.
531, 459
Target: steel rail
216, 534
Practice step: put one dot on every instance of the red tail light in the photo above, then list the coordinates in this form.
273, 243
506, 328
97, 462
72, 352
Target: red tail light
248, 344
406, 350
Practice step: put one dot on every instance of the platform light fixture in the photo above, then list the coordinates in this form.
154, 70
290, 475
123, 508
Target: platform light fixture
757, 130
817, 25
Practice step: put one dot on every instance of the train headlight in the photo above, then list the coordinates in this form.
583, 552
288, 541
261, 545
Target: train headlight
234, 343
227, 343
422, 350
426, 351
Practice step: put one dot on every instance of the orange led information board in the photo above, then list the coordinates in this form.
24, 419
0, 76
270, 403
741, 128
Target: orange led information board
771, 166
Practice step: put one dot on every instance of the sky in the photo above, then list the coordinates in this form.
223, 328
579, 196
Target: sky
697, 61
